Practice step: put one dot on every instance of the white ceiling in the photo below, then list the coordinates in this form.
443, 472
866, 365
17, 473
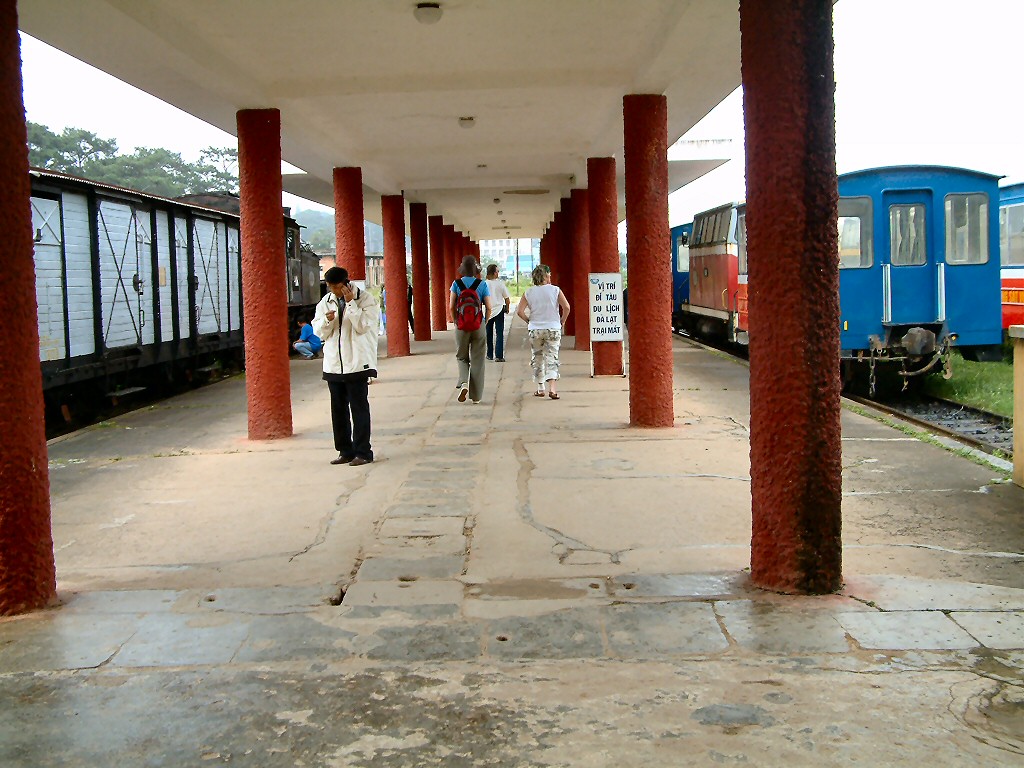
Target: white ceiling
361, 82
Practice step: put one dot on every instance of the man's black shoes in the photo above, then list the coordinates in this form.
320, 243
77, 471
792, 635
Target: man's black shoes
343, 458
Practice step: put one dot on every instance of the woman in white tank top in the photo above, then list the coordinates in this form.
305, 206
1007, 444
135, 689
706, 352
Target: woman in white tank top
545, 325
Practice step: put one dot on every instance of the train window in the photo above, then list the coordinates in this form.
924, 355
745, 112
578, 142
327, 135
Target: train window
682, 254
967, 229
724, 222
855, 233
741, 243
1011, 234
696, 238
907, 235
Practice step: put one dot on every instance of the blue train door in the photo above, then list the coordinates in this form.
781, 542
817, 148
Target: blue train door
908, 275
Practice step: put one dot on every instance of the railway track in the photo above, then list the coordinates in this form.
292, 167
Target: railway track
987, 432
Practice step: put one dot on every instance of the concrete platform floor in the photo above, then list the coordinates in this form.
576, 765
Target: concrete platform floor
522, 582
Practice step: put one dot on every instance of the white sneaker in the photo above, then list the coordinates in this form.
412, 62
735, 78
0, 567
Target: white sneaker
463, 392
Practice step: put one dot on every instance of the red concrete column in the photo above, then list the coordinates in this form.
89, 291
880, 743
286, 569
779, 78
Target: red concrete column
395, 282
645, 149
450, 266
554, 237
267, 377
27, 576
348, 222
604, 247
565, 261
581, 267
438, 289
420, 271
795, 449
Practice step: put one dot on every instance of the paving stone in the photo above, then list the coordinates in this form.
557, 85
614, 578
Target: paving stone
902, 593
174, 640
571, 634
287, 638
641, 630
411, 568
122, 601
995, 629
447, 475
906, 630
54, 640
450, 509
403, 593
403, 614
769, 628
433, 495
268, 600
424, 642
422, 526
700, 586
423, 483
422, 546
587, 557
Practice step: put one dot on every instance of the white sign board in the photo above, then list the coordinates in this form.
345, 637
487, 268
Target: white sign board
605, 306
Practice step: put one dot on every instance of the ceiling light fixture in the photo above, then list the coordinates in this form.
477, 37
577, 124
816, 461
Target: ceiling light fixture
427, 13
497, 200
467, 122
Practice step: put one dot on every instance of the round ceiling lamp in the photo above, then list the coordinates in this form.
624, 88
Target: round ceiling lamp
427, 13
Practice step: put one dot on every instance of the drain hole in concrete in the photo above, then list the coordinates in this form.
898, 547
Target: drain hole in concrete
595, 586
501, 639
337, 599
210, 598
628, 585
407, 578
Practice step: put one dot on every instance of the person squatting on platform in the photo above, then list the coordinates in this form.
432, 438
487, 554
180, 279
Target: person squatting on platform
309, 343
496, 321
347, 319
545, 325
469, 303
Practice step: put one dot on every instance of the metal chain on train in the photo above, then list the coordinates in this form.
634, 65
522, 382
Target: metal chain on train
871, 369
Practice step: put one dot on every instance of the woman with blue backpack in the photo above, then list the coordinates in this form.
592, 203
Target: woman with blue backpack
470, 303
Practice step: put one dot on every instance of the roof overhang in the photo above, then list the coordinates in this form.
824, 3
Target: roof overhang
361, 82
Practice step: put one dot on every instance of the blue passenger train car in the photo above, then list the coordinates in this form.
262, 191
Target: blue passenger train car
1011, 252
919, 266
680, 264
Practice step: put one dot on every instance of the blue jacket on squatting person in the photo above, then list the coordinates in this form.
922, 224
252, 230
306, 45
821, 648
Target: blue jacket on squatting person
347, 320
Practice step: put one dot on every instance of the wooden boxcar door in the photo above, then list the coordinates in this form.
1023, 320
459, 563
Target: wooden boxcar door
208, 251
46, 227
908, 273
124, 254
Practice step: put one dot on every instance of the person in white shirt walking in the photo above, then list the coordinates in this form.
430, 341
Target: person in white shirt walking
500, 299
548, 309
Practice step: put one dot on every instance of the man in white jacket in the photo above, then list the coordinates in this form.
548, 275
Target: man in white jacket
346, 321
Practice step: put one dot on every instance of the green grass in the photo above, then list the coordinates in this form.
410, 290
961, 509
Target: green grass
988, 386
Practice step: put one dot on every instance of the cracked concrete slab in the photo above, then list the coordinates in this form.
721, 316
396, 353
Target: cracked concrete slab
421, 526
423, 592
1002, 630
410, 568
767, 628
173, 640
903, 630
642, 631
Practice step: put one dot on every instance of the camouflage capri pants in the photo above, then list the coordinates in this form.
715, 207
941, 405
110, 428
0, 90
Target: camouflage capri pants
544, 344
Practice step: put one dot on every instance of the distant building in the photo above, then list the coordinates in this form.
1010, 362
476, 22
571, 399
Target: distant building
505, 252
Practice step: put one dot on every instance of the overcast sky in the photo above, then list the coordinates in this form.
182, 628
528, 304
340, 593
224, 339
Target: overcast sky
917, 81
